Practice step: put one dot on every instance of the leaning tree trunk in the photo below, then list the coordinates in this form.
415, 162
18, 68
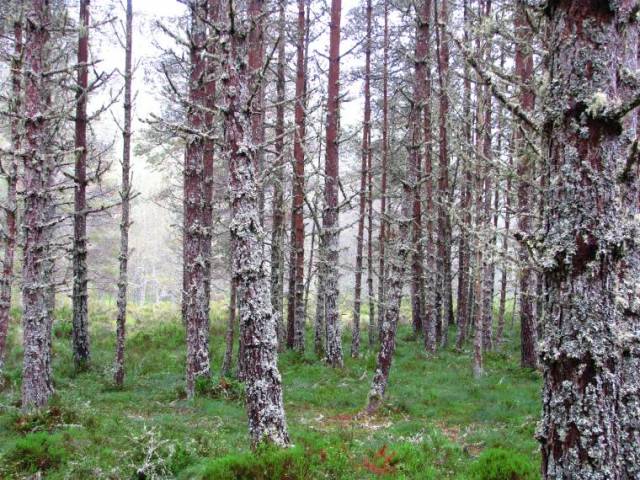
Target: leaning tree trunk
10, 208
590, 251
331, 226
195, 300
263, 384
36, 380
125, 194
80, 324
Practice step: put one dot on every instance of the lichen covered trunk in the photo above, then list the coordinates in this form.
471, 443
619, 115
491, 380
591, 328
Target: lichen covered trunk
125, 193
263, 383
36, 380
330, 222
195, 297
10, 209
590, 250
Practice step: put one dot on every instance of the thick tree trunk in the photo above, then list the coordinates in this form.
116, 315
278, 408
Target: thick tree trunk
10, 209
364, 175
80, 324
263, 384
195, 301
125, 195
330, 222
278, 209
36, 380
590, 251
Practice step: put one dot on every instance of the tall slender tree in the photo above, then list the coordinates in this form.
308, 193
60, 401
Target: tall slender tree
125, 195
330, 223
80, 324
296, 312
11, 173
364, 176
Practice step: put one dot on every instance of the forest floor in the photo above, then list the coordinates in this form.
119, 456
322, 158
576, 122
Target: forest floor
437, 421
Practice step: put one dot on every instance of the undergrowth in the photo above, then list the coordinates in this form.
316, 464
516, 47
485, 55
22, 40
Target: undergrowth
437, 422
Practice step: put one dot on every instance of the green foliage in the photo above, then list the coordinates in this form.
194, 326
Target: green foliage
436, 422
501, 464
36, 452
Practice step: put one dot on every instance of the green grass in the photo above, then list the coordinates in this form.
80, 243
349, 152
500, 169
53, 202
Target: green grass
437, 421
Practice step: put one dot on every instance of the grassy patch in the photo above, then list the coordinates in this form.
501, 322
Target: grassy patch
437, 422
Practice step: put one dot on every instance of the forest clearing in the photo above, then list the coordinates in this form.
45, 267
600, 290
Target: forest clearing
306, 239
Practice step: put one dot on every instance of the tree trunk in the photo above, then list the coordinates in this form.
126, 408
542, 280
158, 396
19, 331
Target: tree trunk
195, 270
385, 167
231, 325
331, 226
464, 252
444, 222
80, 324
364, 175
263, 384
524, 72
296, 310
125, 195
590, 252
10, 209
36, 380
278, 210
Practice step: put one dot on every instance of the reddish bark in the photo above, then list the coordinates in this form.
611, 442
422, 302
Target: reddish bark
526, 97
278, 209
37, 386
296, 312
80, 323
364, 175
331, 227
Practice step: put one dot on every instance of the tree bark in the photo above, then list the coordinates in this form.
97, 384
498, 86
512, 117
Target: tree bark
263, 383
10, 209
125, 195
524, 72
385, 168
590, 252
195, 299
231, 325
36, 380
364, 175
278, 210
331, 226
80, 324
296, 311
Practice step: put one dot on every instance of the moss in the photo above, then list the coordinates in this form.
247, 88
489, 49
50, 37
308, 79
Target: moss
500, 464
36, 452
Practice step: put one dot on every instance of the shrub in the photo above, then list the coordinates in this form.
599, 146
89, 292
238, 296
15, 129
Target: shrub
35, 452
500, 464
